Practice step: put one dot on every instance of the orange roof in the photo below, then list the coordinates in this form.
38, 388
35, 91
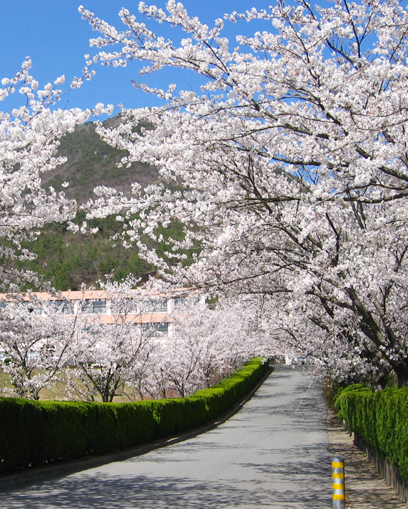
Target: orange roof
92, 294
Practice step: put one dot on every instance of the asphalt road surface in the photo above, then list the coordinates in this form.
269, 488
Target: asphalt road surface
274, 453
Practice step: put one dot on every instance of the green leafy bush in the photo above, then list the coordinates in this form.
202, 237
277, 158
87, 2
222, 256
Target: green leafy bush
380, 419
36, 432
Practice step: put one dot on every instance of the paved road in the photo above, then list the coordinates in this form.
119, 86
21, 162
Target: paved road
273, 454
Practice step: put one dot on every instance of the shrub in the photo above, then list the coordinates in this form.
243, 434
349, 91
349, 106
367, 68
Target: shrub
380, 419
36, 432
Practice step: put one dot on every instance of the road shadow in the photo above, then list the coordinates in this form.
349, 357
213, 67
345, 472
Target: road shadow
287, 465
105, 492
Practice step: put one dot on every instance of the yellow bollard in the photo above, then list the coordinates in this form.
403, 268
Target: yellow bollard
339, 494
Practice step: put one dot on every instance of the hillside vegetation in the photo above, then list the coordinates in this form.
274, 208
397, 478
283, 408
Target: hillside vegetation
92, 162
68, 260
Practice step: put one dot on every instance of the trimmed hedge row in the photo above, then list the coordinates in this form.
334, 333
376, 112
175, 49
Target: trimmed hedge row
380, 419
37, 432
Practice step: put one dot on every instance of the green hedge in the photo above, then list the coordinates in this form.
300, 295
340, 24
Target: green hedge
380, 419
37, 432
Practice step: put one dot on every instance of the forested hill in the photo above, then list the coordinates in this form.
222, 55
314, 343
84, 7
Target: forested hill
92, 162
69, 260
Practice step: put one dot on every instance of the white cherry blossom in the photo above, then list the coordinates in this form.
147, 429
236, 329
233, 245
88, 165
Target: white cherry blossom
289, 170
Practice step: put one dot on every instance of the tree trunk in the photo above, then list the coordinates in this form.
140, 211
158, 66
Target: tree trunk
401, 370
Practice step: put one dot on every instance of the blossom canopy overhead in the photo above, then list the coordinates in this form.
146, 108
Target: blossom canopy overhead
289, 170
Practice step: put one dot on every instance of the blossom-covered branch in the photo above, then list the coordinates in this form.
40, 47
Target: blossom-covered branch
290, 166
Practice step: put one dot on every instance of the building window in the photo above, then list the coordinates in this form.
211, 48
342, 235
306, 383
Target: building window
160, 329
97, 306
64, 306
154, 306
180, 301
155, 330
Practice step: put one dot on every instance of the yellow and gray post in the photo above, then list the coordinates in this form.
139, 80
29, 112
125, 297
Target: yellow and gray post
339, 494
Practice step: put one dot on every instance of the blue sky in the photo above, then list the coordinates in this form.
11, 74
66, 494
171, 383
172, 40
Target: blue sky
53, 34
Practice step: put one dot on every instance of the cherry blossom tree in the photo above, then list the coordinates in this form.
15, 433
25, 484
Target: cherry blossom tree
35, 341
28, 147
206, 346
291, 169
106, 356
48, 341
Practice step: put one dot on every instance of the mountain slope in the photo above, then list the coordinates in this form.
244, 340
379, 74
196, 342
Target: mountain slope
92, 162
